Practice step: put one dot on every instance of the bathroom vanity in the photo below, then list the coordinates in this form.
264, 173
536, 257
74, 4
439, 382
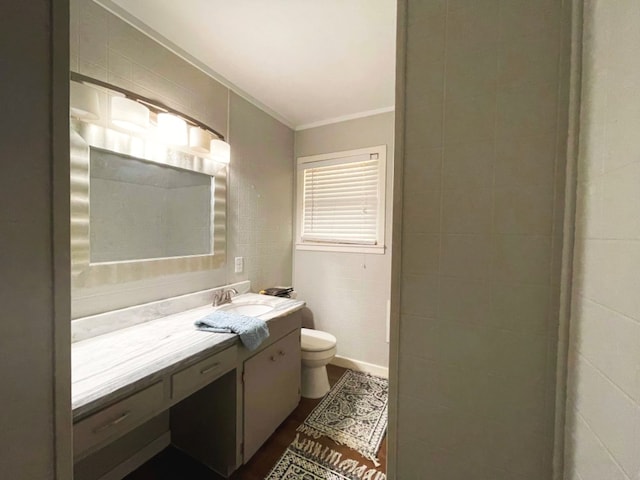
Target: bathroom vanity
137, 389
143, 377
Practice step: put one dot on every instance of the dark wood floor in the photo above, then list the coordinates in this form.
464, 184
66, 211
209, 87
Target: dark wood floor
171, 464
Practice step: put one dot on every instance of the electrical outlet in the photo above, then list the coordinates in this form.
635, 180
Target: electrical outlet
239, 264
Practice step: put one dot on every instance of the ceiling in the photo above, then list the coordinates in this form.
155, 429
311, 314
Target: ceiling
308, 61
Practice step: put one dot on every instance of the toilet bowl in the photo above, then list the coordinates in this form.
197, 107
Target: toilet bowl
318, 349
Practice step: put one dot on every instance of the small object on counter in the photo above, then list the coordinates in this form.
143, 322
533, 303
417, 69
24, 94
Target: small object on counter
286, 292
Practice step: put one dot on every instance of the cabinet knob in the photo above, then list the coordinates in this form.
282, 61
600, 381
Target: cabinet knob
281, 353
273, 358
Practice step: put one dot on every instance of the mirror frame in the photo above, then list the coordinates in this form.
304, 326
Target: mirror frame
84, 274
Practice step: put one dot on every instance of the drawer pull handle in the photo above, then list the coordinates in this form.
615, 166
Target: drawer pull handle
112, 423
210, 368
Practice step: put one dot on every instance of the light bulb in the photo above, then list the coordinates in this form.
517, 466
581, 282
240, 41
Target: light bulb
129, 114
220, 150
83, 102
172, 129
199, 140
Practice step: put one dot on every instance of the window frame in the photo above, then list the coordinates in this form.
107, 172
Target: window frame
305, 162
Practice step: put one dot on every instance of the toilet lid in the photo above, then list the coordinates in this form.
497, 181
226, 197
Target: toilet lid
316, 341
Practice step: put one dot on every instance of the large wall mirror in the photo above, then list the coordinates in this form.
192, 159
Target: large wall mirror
140, 209
141, 206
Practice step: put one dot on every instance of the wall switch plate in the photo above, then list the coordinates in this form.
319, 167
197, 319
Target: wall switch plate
239, 264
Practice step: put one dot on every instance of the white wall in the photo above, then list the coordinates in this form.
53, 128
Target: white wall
259, 213
485, 110
603, 418
35, 413
348, 292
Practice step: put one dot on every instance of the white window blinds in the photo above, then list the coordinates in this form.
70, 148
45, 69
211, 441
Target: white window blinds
341, 200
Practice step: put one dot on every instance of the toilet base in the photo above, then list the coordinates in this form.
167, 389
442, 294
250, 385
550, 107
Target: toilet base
315, 382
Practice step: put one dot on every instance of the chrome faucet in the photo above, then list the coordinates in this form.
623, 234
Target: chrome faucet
223, 296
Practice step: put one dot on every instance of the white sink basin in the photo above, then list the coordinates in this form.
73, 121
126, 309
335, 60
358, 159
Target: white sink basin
249, 309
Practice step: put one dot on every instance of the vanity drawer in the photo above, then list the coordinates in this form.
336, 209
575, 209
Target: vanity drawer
117, 419
202, 373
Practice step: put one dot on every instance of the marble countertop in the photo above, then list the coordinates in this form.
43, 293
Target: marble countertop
110, 366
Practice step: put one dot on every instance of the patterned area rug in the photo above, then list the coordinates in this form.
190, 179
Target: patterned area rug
353, 413
306, 459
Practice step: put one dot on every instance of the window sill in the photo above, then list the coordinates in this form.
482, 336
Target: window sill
323, 247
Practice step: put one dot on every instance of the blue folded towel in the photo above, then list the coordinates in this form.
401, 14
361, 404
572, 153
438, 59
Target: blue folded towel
252, 331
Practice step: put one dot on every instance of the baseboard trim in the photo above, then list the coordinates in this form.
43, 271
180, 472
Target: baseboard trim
360, 366
140, 457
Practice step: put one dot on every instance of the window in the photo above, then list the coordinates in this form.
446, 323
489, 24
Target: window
341, 201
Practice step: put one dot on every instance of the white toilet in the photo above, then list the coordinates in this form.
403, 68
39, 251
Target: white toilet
318, 349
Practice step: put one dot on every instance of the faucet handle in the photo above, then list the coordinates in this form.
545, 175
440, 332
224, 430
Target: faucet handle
220, 297
216, 298
228, 293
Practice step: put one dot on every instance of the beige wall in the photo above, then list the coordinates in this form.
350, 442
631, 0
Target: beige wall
35, 413
603, 419
105, 47
486, 97
260, 196
348, 292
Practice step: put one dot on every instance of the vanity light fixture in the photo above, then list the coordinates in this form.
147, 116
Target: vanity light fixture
199, 140
220, 150
172, 129
83, 102
129, 114
133, 112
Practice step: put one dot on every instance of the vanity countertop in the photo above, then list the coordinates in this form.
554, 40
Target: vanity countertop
110, 366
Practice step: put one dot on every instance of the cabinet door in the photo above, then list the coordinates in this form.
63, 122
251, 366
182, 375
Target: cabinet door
271, 390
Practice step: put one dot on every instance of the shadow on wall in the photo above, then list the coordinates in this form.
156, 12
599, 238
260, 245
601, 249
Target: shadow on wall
307, 318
